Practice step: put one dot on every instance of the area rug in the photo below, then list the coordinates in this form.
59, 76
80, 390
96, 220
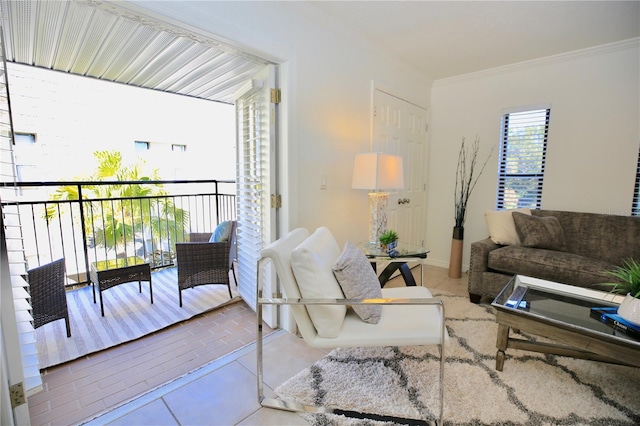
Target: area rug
128, 315
533, 389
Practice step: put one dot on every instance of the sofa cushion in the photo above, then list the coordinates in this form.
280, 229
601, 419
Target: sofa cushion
539, 232
312, 262
502, 229
604, 236
562, 267
358, 281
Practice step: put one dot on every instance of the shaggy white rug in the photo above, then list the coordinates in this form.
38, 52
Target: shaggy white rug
128, 315
533, 389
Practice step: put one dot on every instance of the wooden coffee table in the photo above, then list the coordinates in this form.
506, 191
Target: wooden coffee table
109, 273
561, 313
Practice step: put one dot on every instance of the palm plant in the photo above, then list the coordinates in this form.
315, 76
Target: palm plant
119, 213
629, 278
388, 237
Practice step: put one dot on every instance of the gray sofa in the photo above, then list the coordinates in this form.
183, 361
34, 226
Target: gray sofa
591, 244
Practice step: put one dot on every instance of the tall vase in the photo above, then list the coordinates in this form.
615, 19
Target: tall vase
455, 261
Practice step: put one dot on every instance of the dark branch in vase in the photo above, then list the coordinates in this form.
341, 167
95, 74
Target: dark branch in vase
466, 178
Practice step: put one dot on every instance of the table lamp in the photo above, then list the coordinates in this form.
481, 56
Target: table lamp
377, 172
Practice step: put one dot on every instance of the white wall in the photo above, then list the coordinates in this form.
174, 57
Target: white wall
328, 71
593, 135
326, 93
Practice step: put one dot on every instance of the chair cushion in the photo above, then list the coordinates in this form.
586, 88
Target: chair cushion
502, 229
222, 232
312, 262
400, 325
544, 232
358, 281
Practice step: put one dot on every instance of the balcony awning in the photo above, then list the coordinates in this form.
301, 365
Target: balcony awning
103, 41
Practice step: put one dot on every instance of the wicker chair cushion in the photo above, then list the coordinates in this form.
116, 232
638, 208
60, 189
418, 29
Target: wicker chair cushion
221, 233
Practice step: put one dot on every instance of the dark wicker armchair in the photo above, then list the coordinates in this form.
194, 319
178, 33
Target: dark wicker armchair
201, 262
48, 295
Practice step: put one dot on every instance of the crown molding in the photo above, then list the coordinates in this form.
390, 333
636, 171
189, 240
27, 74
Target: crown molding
547, 60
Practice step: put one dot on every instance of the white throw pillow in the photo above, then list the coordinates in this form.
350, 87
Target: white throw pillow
502, 228
359, 281
312, 262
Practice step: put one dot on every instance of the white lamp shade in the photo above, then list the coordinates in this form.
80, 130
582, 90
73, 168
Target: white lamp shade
377, 171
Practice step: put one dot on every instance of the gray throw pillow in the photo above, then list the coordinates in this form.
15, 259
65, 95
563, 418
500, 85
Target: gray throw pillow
358, 281
543, 232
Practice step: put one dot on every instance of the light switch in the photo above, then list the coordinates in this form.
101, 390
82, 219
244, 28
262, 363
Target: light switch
323, 182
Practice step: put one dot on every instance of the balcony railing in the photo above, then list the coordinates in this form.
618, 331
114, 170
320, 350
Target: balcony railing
76, 221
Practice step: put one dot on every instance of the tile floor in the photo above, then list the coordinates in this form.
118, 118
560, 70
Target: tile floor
145, 382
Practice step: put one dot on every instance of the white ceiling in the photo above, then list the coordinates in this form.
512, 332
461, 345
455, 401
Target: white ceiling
439, 38
448, 38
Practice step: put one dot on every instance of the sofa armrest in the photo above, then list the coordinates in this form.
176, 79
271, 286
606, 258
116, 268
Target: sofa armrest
478, 264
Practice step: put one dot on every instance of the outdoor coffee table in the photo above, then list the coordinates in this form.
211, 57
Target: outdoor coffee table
561, 313
109, 273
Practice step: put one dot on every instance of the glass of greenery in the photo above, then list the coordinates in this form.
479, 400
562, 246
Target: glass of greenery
388, 240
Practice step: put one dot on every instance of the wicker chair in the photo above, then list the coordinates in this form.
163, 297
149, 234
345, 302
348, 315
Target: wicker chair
201, 262
48, 295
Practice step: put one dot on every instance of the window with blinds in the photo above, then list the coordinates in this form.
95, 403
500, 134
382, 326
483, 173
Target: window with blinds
635, 207
523, 149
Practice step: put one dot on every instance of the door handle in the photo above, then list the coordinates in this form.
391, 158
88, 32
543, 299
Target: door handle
404, 200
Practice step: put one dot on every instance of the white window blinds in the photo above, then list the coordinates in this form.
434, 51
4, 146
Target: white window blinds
18, 333
635, 207
253, 154
522, 158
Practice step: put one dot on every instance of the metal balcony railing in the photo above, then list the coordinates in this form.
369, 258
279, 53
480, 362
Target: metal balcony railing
76, 221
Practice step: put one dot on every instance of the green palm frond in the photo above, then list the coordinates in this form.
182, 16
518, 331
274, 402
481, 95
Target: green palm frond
388, 236
629, 278
117, 222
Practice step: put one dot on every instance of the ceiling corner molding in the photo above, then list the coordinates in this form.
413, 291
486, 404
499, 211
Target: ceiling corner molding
547, 60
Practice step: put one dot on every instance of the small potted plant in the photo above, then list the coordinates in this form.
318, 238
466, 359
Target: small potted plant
628, 276
389, 240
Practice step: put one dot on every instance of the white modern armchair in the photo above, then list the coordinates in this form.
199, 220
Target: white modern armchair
305, 265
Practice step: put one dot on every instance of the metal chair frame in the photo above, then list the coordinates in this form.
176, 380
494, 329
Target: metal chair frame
282, 301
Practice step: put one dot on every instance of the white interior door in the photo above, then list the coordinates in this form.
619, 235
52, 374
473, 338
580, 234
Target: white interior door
256, 180
400, 128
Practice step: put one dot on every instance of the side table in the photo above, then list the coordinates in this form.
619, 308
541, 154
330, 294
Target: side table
109, 273
397, 260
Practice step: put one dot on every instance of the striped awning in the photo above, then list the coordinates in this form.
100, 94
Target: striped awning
103, 41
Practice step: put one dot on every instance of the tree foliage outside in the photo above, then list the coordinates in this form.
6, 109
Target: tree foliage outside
122, 218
